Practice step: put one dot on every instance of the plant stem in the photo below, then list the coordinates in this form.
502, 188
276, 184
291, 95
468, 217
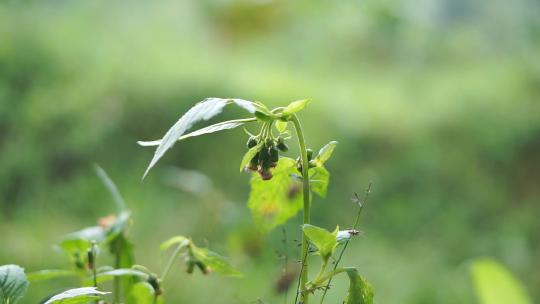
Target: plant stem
355, 226
116, 282
173, 258
306, 218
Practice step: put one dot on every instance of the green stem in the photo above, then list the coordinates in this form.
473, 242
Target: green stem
329, 275
307, 207
172, 259
116, 282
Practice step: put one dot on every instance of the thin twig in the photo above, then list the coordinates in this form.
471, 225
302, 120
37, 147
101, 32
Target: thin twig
298, 291
355, 226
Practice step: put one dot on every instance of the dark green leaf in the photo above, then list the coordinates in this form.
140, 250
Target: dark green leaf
360, 291
77, 296
324, 240
13, 284
214, 261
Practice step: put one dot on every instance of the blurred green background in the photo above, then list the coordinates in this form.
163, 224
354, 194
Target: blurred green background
435, 102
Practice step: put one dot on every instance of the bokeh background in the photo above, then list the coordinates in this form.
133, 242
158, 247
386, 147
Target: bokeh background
435, 102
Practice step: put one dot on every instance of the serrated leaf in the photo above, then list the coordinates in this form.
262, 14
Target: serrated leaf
249, 155
173, 241
324, 240
143, 293
77, 296
360, 291
214, 261
319, 178
110, 185
50, 274
281, 126
225, 125
203, 110
13, 284
295, 106
325, 153
494, 284
274, 201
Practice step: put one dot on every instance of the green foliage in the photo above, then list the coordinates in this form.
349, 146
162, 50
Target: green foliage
250, 154
214, 262
295, 106
325, 241
81, 295
127, 272
494, 284
173, 241
50, 274
319, 178
325, 153
360, 291
274, 201
13, 284
143, 293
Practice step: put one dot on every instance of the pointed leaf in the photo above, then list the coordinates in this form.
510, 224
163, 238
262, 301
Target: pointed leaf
249, 155
49, 274
360, 291
214, 261
203, 110
173, 241
274, 201
295, 106
109, 184
122, 272
319, 178
325, 153
77, 296
13, 284
225, 125
324, 240
494, 284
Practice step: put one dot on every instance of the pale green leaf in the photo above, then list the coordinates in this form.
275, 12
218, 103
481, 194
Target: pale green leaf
13, 284
319, 178
324, 240
49, 274
81, 295
360, 291
122, 272
203, 110
214, 261
281, 126
143, 293
295, 106
274, 201
494, 284
250, 154
109, 184
325, 153
173, 241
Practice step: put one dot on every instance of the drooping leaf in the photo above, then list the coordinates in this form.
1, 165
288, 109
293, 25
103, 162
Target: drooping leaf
143, 293
81, 295
13, 284
319, 178
324, 240
122, 272
173, 241
225, 125
325, 153
214, 261
249, 155
360, 291
295, 106
281, 126
274, 201
494, 284
203, 110
50, 274
109, 184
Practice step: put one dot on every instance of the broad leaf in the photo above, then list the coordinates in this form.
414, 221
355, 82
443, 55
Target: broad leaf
494, 284
295, 106
225, 125
324, 240
319, 178
249, 155
173, 241
325, 153
50, 274
275, 201
109, 184
214, 261
360, 291
77, 296
143, 293
203, 110
13, 284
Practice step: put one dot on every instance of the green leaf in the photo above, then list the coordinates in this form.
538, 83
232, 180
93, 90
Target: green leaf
319, 178
274, 201
325, 153
360, 291
295, 106
13, 284
494, 284
143, 293
122, 272
49, 274
77, 296
173, 241
324, 240
109, 184
203, 110
250, 154
122, 248
118, 227
281, 126
225, 125
214, 261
